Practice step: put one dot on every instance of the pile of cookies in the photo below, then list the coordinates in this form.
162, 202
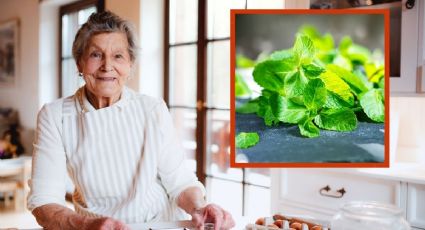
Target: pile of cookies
286, 223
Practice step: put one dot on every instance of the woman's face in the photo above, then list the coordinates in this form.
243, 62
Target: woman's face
106, 64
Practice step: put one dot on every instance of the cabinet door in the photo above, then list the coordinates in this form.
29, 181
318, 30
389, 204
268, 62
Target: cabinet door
306, 189
411, 28
416, 205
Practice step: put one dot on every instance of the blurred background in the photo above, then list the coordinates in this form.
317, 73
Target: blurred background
253, 37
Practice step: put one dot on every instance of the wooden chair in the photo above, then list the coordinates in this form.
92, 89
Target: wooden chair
8, 185
15, 181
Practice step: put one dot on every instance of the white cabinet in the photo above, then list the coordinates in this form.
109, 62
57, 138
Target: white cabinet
416, 205
411, 60
320, 192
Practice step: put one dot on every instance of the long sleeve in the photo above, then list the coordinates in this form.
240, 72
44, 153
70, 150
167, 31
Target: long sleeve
47, 182
175, 176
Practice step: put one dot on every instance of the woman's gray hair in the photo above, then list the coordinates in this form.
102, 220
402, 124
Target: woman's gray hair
104, 22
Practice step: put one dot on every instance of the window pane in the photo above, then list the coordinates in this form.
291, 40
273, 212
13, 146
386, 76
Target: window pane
218, 146
265, 4
69, 29
218, 74
185, 125
183, 75
258, 176
70, 24
219, 16
70, 79
227, 194
84, 14
183, 21
257, 201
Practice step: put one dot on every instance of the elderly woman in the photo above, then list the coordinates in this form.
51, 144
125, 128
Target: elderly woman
118, 146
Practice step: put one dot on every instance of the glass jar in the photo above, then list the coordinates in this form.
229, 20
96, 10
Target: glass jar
365, 215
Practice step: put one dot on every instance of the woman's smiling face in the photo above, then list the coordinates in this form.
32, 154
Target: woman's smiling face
106, 64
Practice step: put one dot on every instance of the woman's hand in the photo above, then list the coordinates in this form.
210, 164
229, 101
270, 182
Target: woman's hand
57, 217
105, 223
212, 213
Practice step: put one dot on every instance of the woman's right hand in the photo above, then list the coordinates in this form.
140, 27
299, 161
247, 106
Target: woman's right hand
105, 223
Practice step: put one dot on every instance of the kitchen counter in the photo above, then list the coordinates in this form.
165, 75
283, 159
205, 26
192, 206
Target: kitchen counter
407, 172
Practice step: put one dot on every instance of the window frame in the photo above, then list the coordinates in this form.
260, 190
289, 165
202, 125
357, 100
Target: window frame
201, 107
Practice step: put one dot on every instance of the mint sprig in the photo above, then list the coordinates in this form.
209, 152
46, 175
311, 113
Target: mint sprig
319, 86
245, 140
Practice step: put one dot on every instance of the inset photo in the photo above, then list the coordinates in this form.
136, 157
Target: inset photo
310, 88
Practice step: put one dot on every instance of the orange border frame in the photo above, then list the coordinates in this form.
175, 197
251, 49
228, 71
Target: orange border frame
385, 164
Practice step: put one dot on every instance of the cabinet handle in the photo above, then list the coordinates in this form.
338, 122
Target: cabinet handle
410, 4
338, 194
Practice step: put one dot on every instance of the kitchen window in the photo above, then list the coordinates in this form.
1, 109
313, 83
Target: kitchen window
197, 91
72, 16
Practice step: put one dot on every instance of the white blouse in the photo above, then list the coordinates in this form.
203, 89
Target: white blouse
124, 160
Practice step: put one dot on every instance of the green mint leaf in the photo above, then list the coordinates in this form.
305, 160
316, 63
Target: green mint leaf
315, 94
359, 73
310, 31
282, 54
246, 140
266, 93
326, 43
372, 103
295, 84
304, 49
269, 118
337, 119
343, 62
374, 72
244, 62
241, 88
299, 100
287, 111
333, 101
381, 83
308, 128
326, 57
357, 53
249, 107
338, 87
265, 111
344, 44
352, 80
270, 74
312, 71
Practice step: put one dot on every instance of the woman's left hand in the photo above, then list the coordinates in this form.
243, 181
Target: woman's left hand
212, 213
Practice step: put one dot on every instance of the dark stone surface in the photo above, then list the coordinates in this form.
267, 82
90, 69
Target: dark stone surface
284, 143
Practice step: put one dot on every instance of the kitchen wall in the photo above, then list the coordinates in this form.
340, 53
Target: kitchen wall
23, 95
